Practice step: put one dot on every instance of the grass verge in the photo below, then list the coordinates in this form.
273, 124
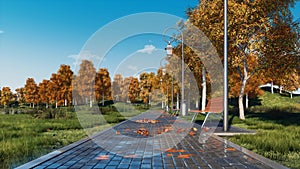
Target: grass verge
277, 123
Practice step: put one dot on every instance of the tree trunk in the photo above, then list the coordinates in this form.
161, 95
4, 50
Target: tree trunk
177, 104
203, 89
247, 101
197, 103
272, 88
91, 102
56, 104
241, 104
280, 89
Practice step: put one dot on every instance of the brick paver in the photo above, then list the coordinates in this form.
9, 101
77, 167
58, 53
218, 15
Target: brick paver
170, 144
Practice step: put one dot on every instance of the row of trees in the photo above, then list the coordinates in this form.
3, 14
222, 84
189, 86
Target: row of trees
263, 48
88, 87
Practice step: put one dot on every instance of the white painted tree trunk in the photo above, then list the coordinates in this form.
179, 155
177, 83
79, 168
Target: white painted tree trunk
56, 104
91, 102
280, 89
203, 89
197, 103
247, 101
177, 102
241, 95
272, 87
66, 102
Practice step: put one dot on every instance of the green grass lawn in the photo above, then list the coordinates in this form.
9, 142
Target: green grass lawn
25, 137
277, 123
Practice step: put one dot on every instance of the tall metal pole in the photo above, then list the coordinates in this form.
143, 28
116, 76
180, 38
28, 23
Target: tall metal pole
172, 104
183, 106
225, 80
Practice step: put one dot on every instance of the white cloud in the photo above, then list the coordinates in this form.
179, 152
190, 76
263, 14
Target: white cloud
84, 56
134, 68
1, 31
147, 49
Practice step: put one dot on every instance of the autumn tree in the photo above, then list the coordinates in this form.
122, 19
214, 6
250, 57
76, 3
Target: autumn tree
133, 90
248, 24
53, 86
44, 92
31, 92
6, 96
125, 89
146, 86
282, 45
85, 82
103, 85
117, 87
20, 95
65, 75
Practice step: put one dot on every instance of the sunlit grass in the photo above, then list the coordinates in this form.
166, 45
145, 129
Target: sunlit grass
24, 137
277, 123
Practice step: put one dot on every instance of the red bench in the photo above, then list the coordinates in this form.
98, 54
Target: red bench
214, 105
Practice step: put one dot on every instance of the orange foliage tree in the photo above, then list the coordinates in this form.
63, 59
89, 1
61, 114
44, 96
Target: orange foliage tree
31, 92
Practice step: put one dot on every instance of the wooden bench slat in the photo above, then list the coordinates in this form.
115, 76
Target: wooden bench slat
214, 105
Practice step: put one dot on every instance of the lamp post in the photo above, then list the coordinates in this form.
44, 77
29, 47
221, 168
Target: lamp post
169, 50
225, 80
164, 71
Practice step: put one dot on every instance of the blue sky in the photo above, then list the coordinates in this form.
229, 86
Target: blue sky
38, 36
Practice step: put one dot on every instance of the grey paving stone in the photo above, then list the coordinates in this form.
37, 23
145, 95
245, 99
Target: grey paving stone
149, 152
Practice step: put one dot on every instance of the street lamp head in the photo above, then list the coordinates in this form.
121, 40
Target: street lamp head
169, 49
164, 71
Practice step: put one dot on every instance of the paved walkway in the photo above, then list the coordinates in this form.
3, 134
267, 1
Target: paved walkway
153, 140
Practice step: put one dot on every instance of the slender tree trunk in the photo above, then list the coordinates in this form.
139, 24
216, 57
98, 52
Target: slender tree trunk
197, 103
272, 87
203, 89
91, 102
56, 104
247, 101
280, 89
177, 104
241, 104
291, 95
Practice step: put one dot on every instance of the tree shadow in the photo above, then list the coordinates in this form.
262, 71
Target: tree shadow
284, 116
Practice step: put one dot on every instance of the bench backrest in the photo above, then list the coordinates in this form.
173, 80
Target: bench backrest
215, 105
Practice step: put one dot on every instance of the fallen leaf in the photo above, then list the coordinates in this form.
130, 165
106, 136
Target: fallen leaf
184, 156
143, 131
153, 121
169, 155
174, 150
103, 157
131, 156
230, 149
117, 133
191, 133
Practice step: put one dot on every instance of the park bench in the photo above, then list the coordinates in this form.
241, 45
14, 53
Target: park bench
214, 106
